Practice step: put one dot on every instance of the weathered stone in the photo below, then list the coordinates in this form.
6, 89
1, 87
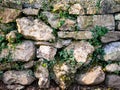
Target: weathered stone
110, 6
88, 22
11, 5
42, 74
25, 3
105, 21
18, 77
62, 43
30, 11
64, 74
68, 25
112, 67
112, 51
117, 16
81, 53
76, 9
93, 77
100, 6
4, 53
111, 36
76, 35
81, 50
59, 44
118, 26
85, 22
113, 81
11, 37
61, 5
52, 19
13, 14
28, 65
22, 52
15, 87
34, 29
46, 52
55, 21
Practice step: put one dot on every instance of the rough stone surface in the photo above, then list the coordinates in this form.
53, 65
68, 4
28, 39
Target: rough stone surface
18, 77
28, 65
46, 52
25, 3
54, 20
100, 6
13, 14
85, 22
112, 51
68, 25
117, 16
15, 87
112, 67
61, 5
59, 44
118, 27
93, 77
30, 11
42, 74
88, 22
76, 9
22, 52
81, 50
64, 74
111, 36
105, 21
76, 35
34, 29
11, 37
113, 81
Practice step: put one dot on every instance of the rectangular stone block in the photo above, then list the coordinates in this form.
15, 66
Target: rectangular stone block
88, 22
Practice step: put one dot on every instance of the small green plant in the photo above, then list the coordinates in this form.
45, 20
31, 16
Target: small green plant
3, 43
60, 23
67, 56
6, 28
98, 6
65, 14
98, 32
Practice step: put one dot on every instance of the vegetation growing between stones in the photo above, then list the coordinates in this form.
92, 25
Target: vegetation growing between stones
98, 32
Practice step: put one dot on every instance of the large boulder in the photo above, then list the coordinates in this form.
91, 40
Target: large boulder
18, 77
24, 52
113, 81
112, 51
93, 77
13, 14
34, 29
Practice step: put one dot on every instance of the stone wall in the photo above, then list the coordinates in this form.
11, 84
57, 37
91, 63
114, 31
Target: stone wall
65, 41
